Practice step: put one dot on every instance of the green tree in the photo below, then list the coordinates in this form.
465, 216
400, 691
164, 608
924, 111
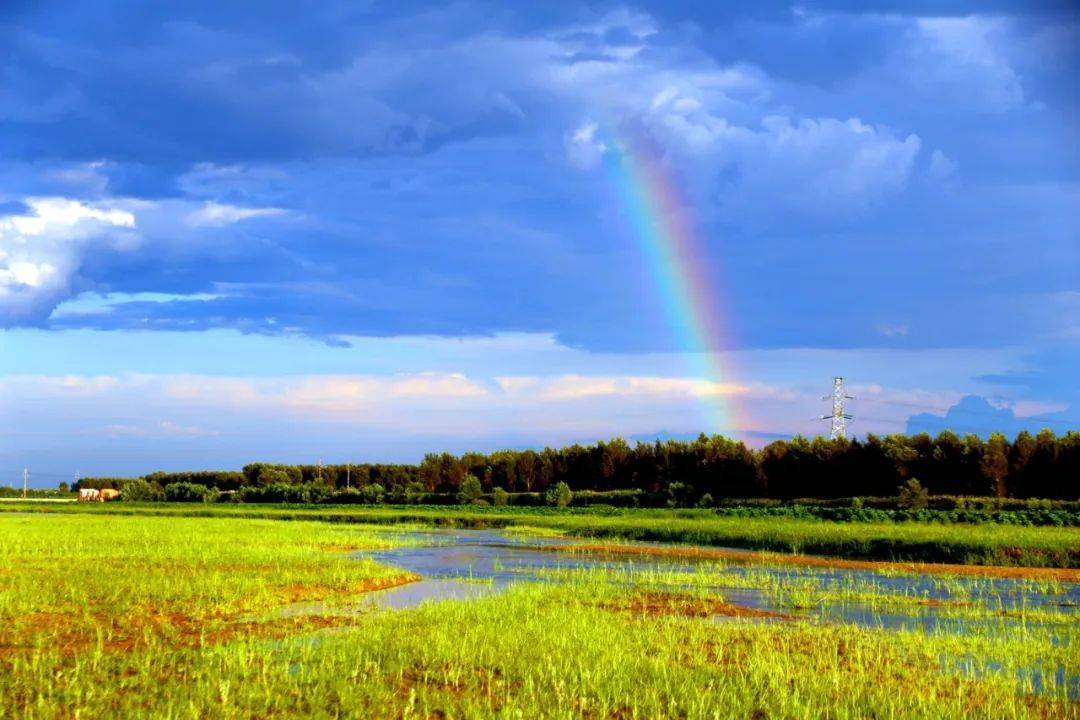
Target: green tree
913, 495
139, 490
470, 490
995, 463
679, 494
559, 495
413, 491
274, 476
185, 492
373, 493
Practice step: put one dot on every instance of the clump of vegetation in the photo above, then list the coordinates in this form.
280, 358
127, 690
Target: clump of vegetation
559, 495
345, 496
373, 493
413, 492
272, 476
500, 497
470, 490
913, 495
186, 492
139, 490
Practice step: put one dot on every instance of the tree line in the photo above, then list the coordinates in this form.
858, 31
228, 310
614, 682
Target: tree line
708, 468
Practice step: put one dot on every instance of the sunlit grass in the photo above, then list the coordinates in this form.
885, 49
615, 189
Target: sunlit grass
69, 582
985, 544
122, 616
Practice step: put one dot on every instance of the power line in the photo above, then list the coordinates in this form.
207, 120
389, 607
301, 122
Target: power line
37, 473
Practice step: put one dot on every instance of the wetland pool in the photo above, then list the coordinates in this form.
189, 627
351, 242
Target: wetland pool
468, 564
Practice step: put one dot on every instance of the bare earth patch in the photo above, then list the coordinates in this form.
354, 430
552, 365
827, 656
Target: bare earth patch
661, 603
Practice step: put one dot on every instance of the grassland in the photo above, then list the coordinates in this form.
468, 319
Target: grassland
112, 615
969, 544
72, 583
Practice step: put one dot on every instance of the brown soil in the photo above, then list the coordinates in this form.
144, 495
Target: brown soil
71, 634
660, 603
343, 547
307, 593
476, 682
771, 558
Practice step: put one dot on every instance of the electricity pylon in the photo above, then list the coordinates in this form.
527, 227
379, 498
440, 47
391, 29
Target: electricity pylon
838, 417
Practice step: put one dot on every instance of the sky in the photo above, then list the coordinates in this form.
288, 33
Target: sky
351, 231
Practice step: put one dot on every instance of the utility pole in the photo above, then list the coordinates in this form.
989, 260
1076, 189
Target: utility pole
348, 473
838, 417
25, 481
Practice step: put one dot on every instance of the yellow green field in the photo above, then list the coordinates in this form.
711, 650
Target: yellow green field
134, 616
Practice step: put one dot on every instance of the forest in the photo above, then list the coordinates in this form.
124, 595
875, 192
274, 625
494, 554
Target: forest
712, 468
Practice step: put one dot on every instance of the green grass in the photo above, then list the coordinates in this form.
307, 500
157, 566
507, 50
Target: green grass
985, 544
113, 615
71, 582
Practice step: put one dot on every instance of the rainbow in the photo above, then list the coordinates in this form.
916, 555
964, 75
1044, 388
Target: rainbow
676, 259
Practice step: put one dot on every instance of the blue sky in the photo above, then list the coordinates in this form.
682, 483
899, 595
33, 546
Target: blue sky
361, 232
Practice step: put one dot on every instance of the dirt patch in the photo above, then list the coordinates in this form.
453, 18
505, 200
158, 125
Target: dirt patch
660, 603
72, 633
346, 547
174, 629
771, 558
302, 592
476, 682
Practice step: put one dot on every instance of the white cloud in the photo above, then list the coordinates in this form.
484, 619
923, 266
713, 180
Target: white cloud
893, 329
583, 148
556, 408
406, 395
964, 60
813, 166
41, 251
722, 124
1028, 408
213, 214
350, 397
571, 387
95, 303
451, 404
942, 169
164, 429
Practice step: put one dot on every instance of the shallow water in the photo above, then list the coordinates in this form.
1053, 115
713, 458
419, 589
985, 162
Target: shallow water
464, 564
451, 561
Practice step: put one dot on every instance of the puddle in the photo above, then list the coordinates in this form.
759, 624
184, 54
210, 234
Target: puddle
406, 596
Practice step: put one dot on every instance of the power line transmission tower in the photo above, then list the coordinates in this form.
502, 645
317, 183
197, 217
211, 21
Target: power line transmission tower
838, 417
